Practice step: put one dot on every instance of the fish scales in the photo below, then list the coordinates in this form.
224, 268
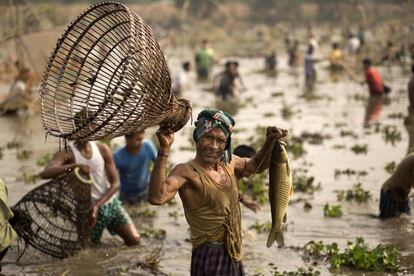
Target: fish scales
280, 190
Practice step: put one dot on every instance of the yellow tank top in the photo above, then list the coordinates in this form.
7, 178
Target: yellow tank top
219, 217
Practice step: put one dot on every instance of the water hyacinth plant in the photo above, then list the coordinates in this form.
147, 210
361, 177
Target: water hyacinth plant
356, 255
305, 184
332, 211
391, 134
261, 227
257, 186
360, 149
390, 167
44, 160
349, 172
357, 193
301, 271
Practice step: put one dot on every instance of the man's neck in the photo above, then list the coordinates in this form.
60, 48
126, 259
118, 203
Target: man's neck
132, 151
81, 144
207, 165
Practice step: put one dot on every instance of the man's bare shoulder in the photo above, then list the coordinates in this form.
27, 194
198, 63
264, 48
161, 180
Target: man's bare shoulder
183, 170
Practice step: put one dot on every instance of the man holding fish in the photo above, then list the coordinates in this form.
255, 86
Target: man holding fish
208, 188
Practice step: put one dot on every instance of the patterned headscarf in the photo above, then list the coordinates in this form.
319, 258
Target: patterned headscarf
211, 118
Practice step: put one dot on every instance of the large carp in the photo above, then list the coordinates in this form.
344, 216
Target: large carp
280, 189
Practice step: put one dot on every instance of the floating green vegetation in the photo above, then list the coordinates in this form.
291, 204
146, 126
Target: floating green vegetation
24, 154
314, 138
340, 124
147, 213
348, 133
390, 167
349, 172
256, 186
356, 255
277, 94
286, 112
338, 146
302, 271
44, 160
391, 134
29, 178
294, 147
398, 115
174, 214
305, 184
357, 193
153, 233
13, 145
332, 211
360, 149
261, 227
269, 114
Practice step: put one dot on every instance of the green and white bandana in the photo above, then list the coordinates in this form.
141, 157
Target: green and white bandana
211, 118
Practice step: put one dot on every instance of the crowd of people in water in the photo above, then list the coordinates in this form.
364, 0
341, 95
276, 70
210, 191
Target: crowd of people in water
207, 185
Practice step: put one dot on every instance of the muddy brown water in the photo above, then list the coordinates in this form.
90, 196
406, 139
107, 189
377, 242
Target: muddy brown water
333, 106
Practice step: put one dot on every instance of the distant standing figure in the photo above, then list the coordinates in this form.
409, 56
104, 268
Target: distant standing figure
353, 44
310, 72
180, 82
373, 79
204, 60
19, 96
336, 57
293, 53
395, 190
271, 61
133, 162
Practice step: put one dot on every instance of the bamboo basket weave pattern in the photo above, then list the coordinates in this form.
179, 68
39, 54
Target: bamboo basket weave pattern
109, 66
55, 217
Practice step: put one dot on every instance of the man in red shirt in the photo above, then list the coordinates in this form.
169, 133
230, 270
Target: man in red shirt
373, 79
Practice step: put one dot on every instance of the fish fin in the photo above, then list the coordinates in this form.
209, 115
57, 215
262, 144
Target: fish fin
271, 239
285, 218
291, 191
279, 239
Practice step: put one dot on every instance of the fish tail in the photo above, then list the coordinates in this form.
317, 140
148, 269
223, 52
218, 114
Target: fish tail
272, 237
275, 236
279, 239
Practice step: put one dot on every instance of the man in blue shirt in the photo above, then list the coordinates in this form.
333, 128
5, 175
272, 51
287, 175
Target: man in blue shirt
133, 162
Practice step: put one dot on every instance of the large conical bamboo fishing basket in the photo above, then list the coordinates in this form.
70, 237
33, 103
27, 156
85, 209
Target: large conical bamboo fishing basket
109, 68
55, 217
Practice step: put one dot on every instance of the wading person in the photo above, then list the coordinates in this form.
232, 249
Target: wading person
204, 60
7, 233
208, 188
181, 82
395, 190
96, 159
373, 79
133, 162
230, 82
